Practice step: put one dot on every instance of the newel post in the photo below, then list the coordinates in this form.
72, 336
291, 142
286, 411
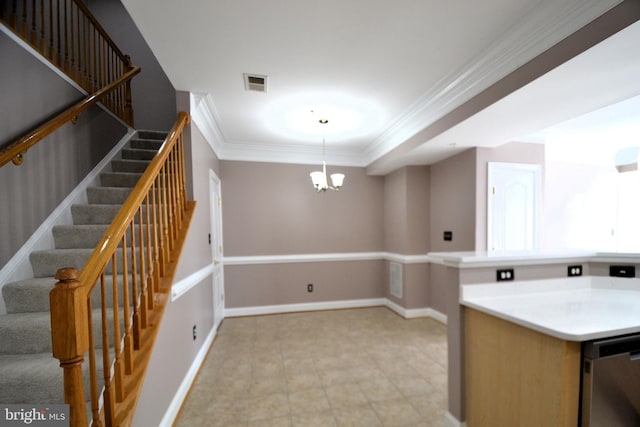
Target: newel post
128, 103
69, 339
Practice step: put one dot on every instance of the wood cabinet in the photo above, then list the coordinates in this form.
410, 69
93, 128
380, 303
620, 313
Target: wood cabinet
519, 377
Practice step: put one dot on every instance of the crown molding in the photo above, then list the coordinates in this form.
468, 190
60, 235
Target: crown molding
205, 116
536, 32
526, 39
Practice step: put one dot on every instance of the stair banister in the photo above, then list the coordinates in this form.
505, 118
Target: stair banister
149, 231
15, 151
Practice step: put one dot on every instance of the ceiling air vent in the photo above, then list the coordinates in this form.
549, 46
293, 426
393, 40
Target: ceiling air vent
255, 82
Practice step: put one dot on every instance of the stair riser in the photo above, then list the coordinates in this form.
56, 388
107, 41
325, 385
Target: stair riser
151, 134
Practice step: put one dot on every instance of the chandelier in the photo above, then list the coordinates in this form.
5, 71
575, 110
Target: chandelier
319, 178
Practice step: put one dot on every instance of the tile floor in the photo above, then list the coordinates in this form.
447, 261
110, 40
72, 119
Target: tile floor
362, 367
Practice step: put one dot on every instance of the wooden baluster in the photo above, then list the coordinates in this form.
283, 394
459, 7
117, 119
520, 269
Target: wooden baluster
156, 249
43, 42
58, 60
93, 371
128, 332
24, 26
160, 231
118, 368
174, 198
85, 55
69, 339
151, 282
165, 215
127, 95
13, 16
33, 36
134, 290
52, 50
65, 65
108, 393
144, 294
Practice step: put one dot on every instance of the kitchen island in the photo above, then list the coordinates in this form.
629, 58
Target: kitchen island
523, 344
514, 346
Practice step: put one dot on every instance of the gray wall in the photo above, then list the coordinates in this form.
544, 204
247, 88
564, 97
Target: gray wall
175, 350
272, 209
154, 99
31, 94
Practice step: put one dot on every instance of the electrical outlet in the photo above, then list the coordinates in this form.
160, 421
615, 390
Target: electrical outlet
195, 332
448, 236
310, 287
504, 274
574, 270
622, 271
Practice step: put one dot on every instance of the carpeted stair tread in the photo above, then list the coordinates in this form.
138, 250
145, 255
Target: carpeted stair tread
94, 213
24, 333
146, 144
47, 262
28, 372
138, 154
78, 236
151, 134
107, 195
125, 165
37, 378
32, 295
119, 179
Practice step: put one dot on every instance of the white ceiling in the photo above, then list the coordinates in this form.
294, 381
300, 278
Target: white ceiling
394, 67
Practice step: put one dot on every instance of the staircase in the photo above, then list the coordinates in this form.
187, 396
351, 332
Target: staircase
28, 372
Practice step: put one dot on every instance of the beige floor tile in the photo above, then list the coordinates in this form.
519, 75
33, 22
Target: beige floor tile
356, 416
314, 419
363, 367
271, 406
412, 386
342, 395
396, 413
272, 422
379, 390
311, 400
302, 381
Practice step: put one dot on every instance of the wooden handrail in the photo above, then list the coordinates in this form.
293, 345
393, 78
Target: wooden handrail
141, 248
112, 237
16, 150
67, 35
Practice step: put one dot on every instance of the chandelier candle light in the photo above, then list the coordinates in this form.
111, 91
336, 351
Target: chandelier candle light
319, 178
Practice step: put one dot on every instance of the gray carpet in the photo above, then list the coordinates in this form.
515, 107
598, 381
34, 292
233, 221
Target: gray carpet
28, 371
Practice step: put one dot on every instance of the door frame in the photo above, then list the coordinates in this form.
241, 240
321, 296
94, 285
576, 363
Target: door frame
536, 170
215, 227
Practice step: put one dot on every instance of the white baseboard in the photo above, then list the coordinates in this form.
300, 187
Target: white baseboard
412, 313
173, 410
334, 305
451, 421
313, 306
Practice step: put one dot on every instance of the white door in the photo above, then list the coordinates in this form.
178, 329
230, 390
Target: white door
513, 217
216, 248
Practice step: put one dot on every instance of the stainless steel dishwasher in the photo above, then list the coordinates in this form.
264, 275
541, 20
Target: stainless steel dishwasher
610, 394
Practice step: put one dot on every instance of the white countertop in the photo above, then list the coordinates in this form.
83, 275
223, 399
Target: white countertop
573, 309
483, 259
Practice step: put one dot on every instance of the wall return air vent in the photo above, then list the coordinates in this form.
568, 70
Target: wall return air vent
255, 82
